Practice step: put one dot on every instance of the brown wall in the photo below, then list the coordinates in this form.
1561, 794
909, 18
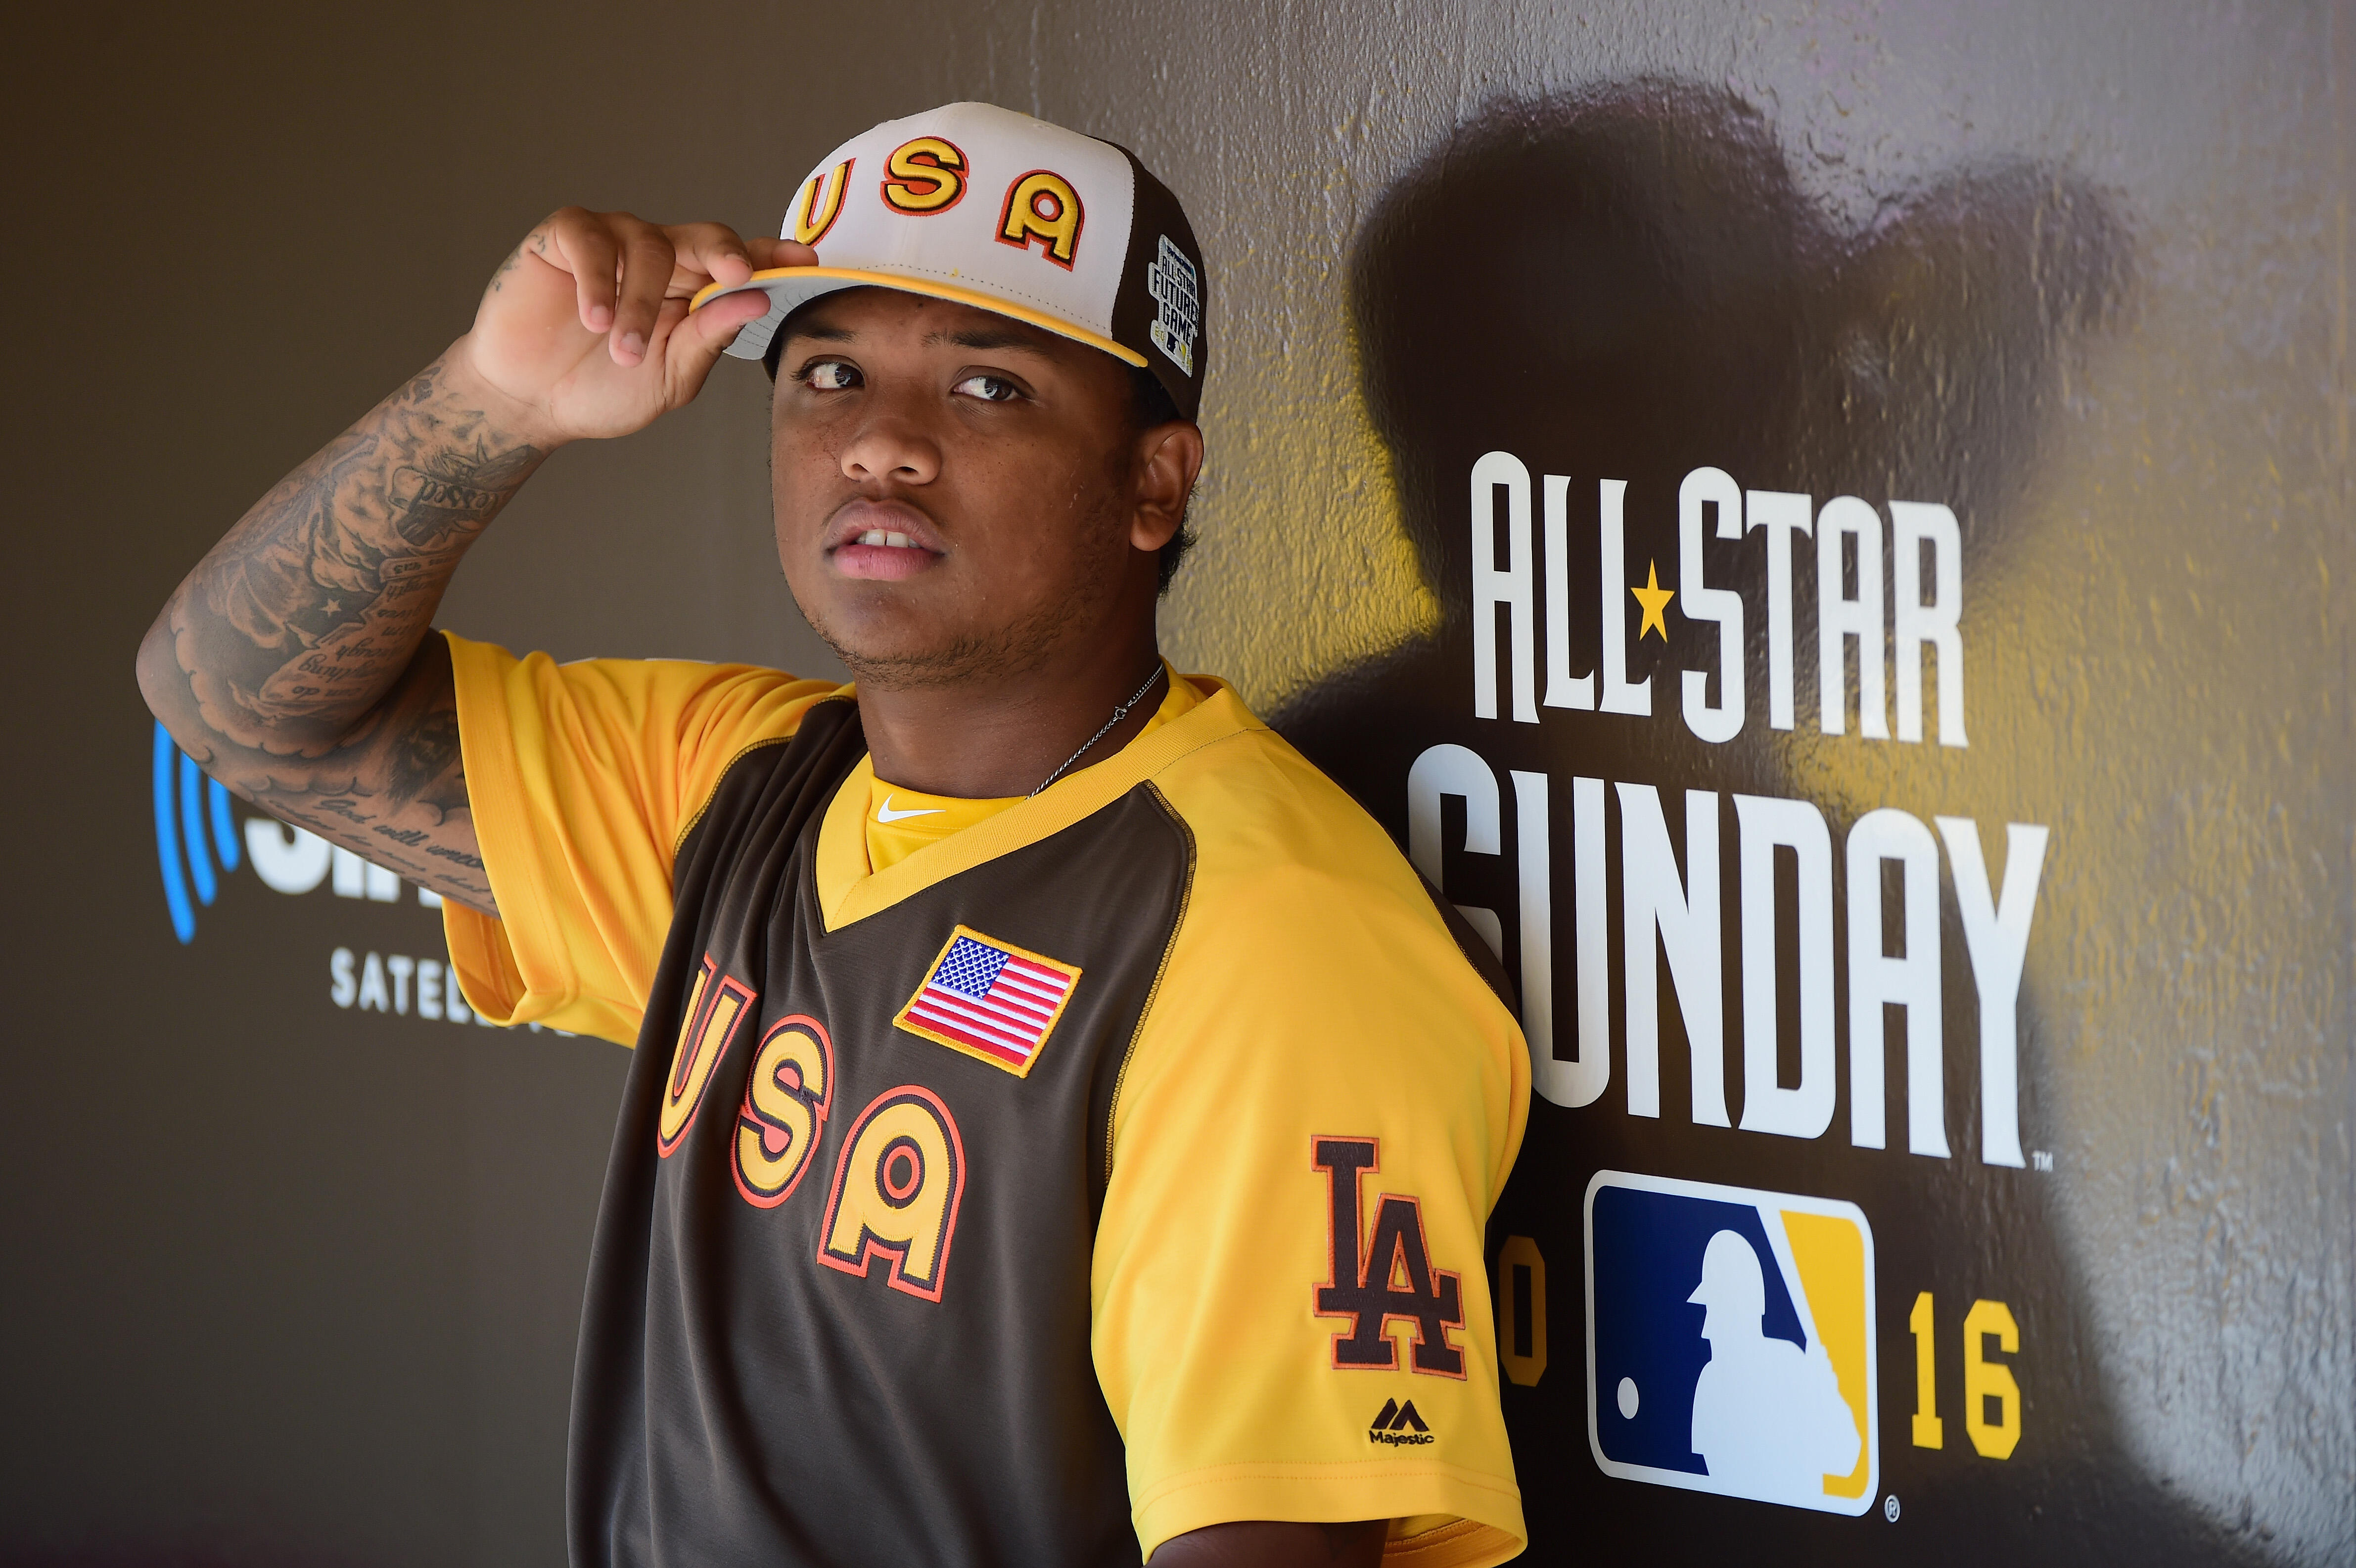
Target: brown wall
291, 1283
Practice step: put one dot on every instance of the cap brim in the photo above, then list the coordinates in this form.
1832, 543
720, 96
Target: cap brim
790, 288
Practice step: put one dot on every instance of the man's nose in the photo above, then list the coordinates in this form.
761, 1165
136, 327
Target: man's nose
889, 445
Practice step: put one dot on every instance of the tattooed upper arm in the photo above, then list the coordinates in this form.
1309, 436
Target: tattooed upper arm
295, 662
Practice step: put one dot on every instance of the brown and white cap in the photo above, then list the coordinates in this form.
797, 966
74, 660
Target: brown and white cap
1010, 214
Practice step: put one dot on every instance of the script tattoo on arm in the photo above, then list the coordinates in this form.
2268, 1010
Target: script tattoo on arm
295, 662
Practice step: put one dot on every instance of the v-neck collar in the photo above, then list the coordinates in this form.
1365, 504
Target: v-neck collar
848, 893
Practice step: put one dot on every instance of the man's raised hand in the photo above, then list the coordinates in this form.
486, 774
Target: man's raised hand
584, 331
293, 663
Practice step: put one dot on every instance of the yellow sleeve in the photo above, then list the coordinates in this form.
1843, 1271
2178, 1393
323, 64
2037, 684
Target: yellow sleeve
1313, 1009
582, 780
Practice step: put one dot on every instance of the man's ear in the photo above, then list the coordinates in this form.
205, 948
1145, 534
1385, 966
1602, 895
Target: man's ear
1169, 457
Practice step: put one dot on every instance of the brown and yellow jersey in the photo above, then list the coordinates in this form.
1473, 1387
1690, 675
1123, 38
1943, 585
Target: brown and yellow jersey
1030, 1186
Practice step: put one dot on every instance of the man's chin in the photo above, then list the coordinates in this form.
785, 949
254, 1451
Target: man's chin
902, 663
907, 636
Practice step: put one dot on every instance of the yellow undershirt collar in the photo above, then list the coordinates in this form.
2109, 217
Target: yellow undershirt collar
898, 823
902, 822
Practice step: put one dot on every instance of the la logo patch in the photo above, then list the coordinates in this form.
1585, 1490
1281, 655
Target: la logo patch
1376, 1281
990, 999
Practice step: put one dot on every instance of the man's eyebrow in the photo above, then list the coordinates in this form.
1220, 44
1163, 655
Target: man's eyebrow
985, 340
982, 340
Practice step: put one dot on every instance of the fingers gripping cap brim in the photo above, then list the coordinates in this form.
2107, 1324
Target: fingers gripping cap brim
790, 288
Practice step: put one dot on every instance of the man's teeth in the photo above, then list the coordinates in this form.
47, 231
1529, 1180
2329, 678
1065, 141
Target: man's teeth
890, 541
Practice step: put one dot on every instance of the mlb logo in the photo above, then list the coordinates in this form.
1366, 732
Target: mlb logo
1730, 1341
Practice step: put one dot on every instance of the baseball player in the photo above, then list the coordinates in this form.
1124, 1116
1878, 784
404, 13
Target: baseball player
1062, 1126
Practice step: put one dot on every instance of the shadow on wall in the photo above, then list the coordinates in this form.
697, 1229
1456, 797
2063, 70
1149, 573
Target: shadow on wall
1627, 284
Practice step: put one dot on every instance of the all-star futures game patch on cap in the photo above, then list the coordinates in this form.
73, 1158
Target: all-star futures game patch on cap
992, 208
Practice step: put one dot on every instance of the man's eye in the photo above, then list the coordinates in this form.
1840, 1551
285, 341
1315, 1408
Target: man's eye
989, 389
830, 375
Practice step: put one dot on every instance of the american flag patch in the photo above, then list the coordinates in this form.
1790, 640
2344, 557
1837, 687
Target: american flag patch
990, 999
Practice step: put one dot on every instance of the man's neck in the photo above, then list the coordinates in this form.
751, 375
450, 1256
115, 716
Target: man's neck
989, 738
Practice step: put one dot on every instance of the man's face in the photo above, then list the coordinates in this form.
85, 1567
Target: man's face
956, 491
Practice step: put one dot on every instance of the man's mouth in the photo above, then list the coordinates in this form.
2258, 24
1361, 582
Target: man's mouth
889, 555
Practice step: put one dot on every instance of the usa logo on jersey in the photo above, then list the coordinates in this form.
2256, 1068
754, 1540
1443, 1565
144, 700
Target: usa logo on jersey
1730, 1341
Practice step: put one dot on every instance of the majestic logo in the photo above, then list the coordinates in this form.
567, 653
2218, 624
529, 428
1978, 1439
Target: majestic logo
896, 1190
1170, 281
1398, 1425
1730, 1341
1386, 1278
990, 999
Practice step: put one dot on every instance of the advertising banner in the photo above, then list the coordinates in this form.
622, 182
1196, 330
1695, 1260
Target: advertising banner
1752, 742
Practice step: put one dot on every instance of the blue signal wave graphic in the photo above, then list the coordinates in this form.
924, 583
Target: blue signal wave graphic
187, 804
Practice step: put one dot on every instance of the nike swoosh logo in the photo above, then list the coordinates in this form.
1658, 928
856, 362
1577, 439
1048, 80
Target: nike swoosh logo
885, 813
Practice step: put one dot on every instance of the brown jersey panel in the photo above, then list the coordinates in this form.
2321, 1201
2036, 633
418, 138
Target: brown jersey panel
839, 1307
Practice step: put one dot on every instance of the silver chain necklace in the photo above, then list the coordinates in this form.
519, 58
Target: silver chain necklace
1119, 714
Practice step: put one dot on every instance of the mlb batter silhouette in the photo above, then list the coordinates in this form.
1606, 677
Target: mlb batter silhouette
1768, 1417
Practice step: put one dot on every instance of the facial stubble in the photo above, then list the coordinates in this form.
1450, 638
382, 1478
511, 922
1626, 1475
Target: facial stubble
1019, 647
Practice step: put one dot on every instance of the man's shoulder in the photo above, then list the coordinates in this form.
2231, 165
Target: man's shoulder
750, 699
746, 696
1312, 968
1290, 870
1256, 809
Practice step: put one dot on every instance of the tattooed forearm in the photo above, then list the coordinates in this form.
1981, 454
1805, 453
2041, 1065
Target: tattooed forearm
296, 661
301, 618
